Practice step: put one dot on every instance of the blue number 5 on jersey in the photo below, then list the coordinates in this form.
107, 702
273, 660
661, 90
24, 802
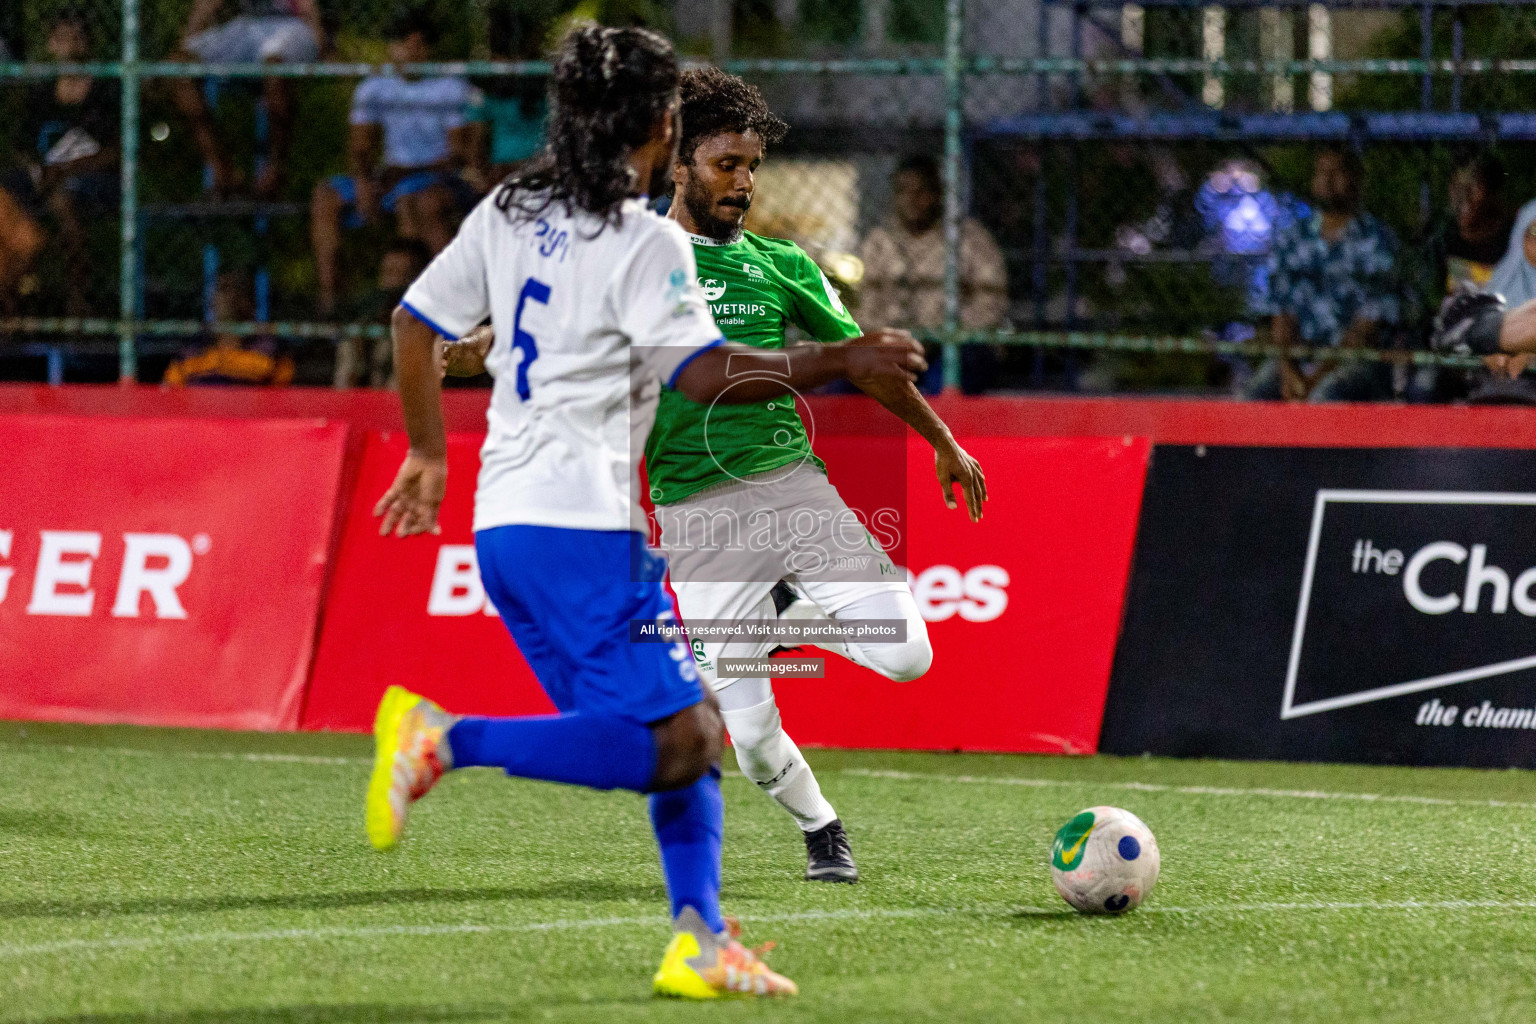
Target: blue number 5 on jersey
538, 291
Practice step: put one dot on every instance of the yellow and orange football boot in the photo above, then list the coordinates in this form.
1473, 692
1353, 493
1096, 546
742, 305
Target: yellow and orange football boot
701, 965
410, 736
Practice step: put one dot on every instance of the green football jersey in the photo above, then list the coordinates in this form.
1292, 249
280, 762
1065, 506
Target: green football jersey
755, 287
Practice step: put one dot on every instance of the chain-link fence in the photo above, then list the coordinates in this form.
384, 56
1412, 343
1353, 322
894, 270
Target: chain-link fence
1084, 193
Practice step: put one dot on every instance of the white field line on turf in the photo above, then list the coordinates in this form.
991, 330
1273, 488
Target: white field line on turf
867, 773
577, 924
379, 931
214, 755
1238, 908
1153, 787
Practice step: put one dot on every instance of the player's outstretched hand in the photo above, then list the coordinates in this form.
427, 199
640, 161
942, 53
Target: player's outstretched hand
410, 505
884, 355
955, 466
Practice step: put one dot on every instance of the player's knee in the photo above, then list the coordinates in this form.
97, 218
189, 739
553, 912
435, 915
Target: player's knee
687, 745
751, 728
901, 663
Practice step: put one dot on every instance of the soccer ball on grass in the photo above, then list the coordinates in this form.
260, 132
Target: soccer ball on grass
1104, 861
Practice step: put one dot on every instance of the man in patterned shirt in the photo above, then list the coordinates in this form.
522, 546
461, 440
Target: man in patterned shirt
1332, 283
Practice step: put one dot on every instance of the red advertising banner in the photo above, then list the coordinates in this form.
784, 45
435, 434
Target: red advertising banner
1023, 608
163, 572
412, 611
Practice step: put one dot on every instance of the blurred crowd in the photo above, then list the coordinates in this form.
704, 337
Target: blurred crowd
1320, 273
419, 152
1336, 277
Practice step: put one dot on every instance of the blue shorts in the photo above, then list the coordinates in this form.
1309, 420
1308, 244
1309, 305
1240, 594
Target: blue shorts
568, 597
417, 181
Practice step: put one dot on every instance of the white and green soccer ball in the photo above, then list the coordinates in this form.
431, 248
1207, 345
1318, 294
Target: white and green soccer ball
1105, 861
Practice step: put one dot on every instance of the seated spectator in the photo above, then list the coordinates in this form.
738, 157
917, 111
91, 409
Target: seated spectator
1514, 276
1472, 239
70, 177
511, 110
20, 237
226, 358
511, 114
261, 31
403, 262
1332, 283
418, 127
1463, 248
20, 240
903, 282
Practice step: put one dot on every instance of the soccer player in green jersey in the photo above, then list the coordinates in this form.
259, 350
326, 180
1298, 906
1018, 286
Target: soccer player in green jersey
719, 473
752, 529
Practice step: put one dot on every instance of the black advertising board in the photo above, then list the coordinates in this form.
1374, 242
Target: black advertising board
1332, 604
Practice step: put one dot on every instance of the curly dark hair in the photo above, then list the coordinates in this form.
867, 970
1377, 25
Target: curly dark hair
607, 90
715, 102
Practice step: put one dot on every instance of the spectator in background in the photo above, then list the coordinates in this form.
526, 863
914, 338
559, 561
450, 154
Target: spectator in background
1332, 283
20, 240
903, 282
511, 111
261, 31
1514, 277
225, 358
403, 261
408, 141
1472, 239
70, 176
512, 116
1463, 249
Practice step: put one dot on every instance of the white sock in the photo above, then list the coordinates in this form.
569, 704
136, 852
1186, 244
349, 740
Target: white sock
770, 758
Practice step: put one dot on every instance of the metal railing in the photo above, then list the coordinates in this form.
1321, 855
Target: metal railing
958, 70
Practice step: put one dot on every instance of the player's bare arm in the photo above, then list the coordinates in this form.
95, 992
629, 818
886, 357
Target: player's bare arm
410, 505
953, 464
739, 374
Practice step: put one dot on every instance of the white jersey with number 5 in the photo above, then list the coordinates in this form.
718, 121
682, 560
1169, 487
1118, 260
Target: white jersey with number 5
572, 404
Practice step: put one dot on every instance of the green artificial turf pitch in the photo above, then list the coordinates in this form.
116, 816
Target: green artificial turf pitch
195, 877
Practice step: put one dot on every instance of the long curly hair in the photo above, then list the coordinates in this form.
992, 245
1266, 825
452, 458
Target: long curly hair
608, 88
715, 102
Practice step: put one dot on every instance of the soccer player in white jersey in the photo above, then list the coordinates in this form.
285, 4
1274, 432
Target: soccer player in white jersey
594, 304
717, 473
